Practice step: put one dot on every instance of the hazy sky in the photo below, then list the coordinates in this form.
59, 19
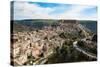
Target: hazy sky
38, 10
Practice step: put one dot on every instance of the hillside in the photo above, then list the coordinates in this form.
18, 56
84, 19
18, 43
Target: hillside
52, 41
30, 24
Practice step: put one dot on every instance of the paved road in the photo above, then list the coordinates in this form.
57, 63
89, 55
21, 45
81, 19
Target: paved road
83, 51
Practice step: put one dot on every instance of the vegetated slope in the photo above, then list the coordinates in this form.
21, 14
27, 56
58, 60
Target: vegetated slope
40, 23
20, 27
92, 25
36, 23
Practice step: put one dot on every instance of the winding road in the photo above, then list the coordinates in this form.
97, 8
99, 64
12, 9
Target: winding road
91, 55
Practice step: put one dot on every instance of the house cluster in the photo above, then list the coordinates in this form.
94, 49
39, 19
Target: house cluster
37, 43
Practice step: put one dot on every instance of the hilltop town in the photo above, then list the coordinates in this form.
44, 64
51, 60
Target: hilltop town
41, 46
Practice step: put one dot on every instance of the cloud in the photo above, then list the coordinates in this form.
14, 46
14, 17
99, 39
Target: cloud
25, 10
75, 12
